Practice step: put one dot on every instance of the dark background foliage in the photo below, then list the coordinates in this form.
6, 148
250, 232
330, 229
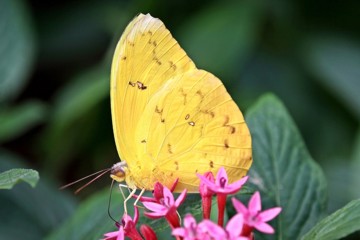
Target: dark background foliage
55, 60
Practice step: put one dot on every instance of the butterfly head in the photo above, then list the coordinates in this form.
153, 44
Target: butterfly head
118, 171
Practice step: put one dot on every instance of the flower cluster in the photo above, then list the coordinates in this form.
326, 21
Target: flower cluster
163, 205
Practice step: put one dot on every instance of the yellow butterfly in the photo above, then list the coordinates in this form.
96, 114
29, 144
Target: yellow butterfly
170, 119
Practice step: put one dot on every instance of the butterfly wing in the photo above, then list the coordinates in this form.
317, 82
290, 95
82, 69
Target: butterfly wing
192, 125
145, 58
170, 119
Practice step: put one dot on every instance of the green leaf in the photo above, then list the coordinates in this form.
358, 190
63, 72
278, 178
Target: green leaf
10, 178
35, 211
229, 29
283, 170
16, 120
16, 47
336, 62
354, 169
338, 225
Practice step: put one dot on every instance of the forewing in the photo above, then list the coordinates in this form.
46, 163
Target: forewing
145, 58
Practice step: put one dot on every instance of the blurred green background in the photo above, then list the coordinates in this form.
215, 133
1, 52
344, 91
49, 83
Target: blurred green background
55, 60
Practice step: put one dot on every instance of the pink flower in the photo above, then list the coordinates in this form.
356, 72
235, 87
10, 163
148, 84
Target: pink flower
253, 217
190, 230
206, 195
211, 230
117, 235
130, 225
206, 230
128, 228
222, 189
157, 193
166, 208
234, 228
221, 183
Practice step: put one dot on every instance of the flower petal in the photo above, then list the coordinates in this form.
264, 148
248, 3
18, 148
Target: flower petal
269, 214
155, 207
181, 232
147, 232
189, 221
206, 181
214, 230
255, 202
181, 198
121, 235
174, 185
239, 206
264, 227
158, 192
235, 225
154, 215
111, 234
136, 214
235, 186
221, 175
168, 197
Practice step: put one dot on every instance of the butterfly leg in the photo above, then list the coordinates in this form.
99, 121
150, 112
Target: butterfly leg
138, 198
127, 199
121, 186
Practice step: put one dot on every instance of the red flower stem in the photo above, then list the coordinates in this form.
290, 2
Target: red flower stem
247, 231
221, 200
206, 206
173, 218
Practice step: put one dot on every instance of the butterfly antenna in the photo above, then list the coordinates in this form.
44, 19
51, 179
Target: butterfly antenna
111, 188
92, 180
72, 183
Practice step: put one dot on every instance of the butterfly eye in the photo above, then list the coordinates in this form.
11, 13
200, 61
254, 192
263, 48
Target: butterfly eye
117, 172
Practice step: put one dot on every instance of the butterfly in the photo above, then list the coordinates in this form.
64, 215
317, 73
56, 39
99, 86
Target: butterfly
170, 119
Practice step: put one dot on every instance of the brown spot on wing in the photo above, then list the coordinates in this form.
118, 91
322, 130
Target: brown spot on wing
169, 148
211, 164
172, 65
187, 116
183, 94
192, 123
226, 120
157, 60
226, 124
211, 113
140, 85
200, 94
226, 143
157, 110
176, 165
132, 84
